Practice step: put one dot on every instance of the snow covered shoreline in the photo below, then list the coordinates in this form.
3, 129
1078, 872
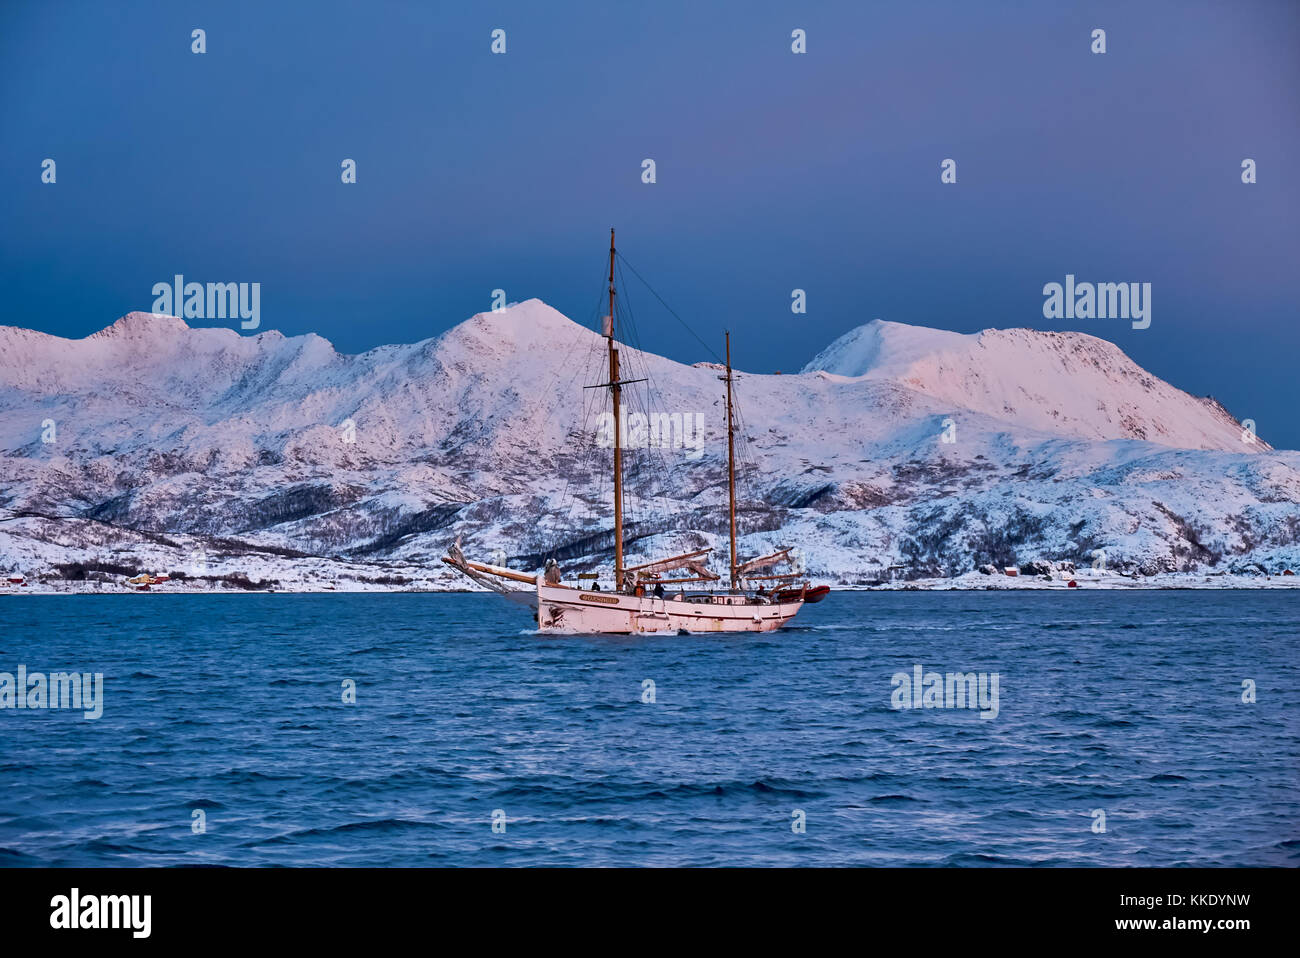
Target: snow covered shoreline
439, 583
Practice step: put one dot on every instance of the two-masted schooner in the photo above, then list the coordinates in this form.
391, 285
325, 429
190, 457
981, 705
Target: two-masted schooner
656, 596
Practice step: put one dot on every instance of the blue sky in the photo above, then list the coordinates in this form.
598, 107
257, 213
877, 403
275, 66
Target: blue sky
775, 171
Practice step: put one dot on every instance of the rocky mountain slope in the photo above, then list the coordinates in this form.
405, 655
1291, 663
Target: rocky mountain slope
898, 452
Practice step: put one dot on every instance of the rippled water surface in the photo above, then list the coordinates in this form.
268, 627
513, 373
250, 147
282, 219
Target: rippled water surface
1130, 703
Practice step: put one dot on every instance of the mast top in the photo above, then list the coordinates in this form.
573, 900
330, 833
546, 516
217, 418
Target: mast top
608, 322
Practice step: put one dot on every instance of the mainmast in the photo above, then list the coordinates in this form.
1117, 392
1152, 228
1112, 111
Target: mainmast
731, 468
616, 391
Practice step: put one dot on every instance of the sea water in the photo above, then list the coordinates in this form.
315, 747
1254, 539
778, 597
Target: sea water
1133, 728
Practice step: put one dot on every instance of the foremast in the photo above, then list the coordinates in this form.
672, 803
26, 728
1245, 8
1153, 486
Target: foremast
616, 392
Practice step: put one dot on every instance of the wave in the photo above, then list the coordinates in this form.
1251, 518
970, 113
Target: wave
647, 791
381, 826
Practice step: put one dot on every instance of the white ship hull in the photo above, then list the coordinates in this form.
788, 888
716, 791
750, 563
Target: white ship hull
577, 611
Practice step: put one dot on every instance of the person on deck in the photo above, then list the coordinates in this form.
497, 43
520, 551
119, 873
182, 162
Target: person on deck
552, 572
595, 587
659, 590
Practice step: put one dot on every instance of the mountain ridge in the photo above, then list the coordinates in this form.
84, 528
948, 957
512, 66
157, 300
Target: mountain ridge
924, 450
995, 357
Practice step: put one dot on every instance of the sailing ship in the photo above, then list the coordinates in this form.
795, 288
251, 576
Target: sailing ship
674, 594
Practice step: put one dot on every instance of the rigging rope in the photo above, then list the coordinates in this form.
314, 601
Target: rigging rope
670, 309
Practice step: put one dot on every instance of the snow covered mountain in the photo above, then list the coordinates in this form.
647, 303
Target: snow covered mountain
898, 452
1067, 384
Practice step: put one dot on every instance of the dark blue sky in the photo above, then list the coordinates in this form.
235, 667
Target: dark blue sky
775, 171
